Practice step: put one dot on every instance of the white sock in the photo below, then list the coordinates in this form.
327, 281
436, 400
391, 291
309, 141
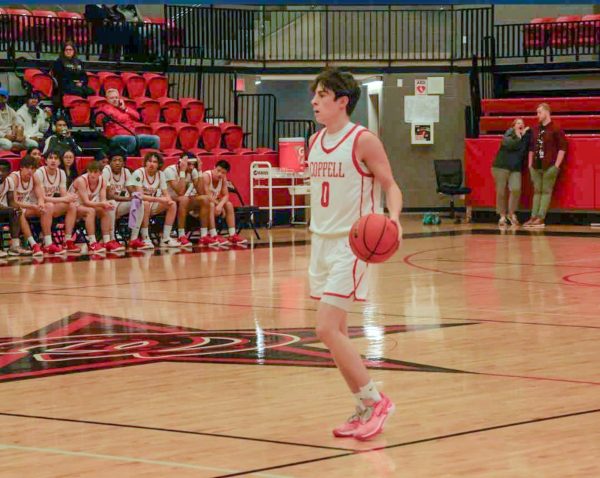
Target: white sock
203, 231
167, 232
106, 238
32, 242
213, 232
91, 239
15, 243
68, 237
144, 232
112, 235
135, 233
369, 394
180, 232
231, 231
359, 404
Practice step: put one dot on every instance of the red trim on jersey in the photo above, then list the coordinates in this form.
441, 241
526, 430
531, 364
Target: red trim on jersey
147, 178
373, 195
45, 171
328, 151
362, 185
333, 294
355, 161
315, 297
310, 146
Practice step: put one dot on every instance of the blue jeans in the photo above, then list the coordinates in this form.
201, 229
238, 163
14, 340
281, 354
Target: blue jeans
129, 142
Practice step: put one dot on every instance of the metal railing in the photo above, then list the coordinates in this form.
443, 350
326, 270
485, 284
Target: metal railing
293, 128
547, 40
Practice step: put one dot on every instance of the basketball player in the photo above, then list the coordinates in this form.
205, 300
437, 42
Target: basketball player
215, 185
150, 182
91, 190
116, 176
50, 189
15, 195
183, 180
349, 168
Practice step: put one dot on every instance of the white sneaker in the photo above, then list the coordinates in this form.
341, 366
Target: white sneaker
3, 253
170, 243
148, 244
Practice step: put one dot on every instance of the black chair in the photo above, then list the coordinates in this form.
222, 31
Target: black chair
244, 215
449, 177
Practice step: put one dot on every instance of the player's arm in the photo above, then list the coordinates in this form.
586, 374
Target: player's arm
178, 185
104, 204
223, 194
206, 187
39, 192
372, 153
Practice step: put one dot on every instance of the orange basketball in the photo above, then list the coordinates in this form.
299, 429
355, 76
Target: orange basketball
374, 238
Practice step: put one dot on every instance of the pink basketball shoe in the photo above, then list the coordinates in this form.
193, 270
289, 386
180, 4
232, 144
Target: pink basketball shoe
373, 419
348, 428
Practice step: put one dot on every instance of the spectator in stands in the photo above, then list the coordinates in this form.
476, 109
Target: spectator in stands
108, 30
36, 153
11, 132
119, 125
70, 74
61, 140
547, 150
34, 120
507, 170
67, 164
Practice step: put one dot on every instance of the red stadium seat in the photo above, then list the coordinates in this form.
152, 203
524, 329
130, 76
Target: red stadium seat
171, 110
130, 103
79, 110
74, 27
39, 81
537, 32
265, 151
188, 135
198, 151
233, 135
244, 151
97, 101
134, 162
167, 134
135, 84
81, 163
94, 82
194, 109
566, 122
13, 159
589, 31
210, 134
565, 31
110, 80
576, 104
170, 161
158, 85
172, 152
149, 108
145, 151
221, 152
142, 129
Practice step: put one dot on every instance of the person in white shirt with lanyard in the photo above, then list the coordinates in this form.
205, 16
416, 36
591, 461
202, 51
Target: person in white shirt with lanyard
349, 168
150, 182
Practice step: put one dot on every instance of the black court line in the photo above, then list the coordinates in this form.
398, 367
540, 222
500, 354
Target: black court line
309, 309
414, 442
171, 430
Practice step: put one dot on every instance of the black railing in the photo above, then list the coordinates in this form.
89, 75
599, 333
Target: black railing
290, 128
547, 40
257, 114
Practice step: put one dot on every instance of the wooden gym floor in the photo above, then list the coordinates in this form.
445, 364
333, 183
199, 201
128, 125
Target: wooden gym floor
205, 364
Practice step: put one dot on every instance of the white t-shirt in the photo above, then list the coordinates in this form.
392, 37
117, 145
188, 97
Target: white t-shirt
152, 186
172, 174
117, 183
51, 184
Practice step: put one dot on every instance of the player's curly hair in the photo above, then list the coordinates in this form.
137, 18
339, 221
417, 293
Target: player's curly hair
153, 154
341, 83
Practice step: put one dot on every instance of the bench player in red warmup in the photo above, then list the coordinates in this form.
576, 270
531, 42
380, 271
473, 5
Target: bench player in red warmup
349, 168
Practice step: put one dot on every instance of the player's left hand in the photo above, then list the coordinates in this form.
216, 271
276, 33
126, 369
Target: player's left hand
108, 206
397, 222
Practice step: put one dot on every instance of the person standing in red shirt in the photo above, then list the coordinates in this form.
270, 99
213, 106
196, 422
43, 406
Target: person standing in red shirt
547, 150
120, 122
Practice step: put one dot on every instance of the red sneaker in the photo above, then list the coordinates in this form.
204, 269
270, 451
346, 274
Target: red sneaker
348, 428
36, 250
373, 419
71, 248
114, 246
222, 241
185, 242
97, 248
52, 250
138, 244
209, 241
238, 240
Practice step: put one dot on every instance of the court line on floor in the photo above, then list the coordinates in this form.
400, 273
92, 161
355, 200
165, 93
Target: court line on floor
518, 264
126, 459
171, 430
417, 442
308, 309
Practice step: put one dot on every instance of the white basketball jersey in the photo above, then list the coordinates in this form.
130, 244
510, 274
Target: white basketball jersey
214, 191
94, 196
116, 183
342, 188
50, 184
21, 190
152, 186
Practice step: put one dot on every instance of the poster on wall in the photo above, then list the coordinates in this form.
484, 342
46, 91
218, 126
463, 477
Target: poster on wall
422, 133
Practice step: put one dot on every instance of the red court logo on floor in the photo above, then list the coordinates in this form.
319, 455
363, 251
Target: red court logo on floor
84, 342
